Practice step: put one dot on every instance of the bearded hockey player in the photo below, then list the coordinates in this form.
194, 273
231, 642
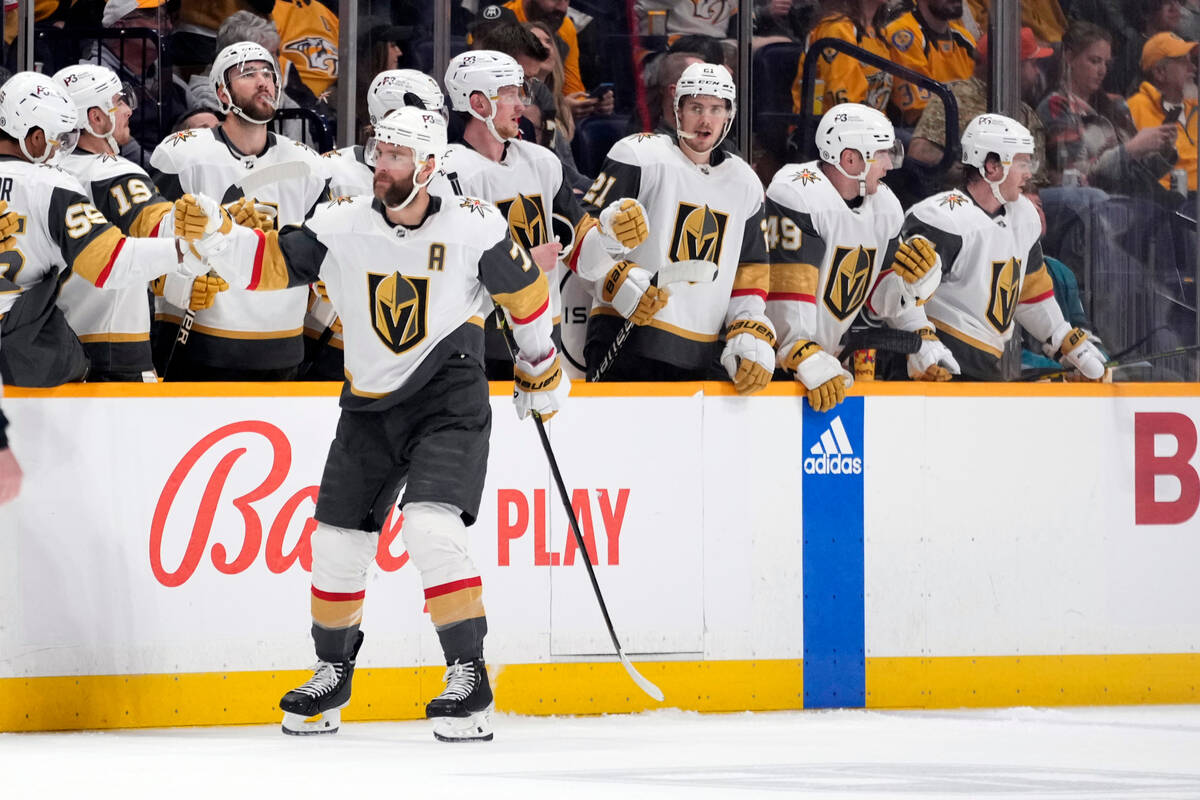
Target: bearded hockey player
114, 324
833, 230
351, 176
52, 231
525, 181
703, 204
988, 238
408, 273
242, 336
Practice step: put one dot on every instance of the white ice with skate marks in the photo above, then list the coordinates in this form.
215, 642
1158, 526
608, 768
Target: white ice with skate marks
1075, 753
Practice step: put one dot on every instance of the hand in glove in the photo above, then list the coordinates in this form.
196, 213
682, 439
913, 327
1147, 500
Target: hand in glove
10, 225
749, 355
627, 287
193, 294
821, 374
201, 222
1074, 349
624, 221
933, 362
249, 213
540, 388
916, 262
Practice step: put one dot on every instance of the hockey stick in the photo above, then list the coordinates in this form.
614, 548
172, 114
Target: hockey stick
1113, 364
643, 684
692, 271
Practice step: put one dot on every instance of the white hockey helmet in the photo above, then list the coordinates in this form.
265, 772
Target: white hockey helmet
484, 71
998, 134
397, 88
860, 128
422, 131
714, 80
235, 55
95, 86
31, 100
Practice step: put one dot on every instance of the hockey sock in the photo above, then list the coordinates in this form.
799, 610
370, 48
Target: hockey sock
463, 641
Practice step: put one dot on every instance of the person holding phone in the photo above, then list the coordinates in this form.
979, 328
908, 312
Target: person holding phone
1161, 102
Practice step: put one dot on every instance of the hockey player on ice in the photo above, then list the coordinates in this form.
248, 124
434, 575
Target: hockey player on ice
988, 238
52, 231
525, 181
351, 175
703, 204
833, 229
242, 336
114, 324
408, 273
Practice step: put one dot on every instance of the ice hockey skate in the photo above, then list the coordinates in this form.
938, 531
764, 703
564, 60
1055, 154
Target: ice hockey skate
316, 707
463, 711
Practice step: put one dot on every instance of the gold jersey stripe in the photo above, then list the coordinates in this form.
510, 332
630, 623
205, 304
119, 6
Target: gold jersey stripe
273, 272
965, 338
476, 321
454, 607
227, 334
1036, 284
523, 303
665, 327
752, 275
89, 338
336, 613
148, 218
95, 257
794, 278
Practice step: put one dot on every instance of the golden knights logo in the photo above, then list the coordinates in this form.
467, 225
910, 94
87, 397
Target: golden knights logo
320, 54
399, 309
806, 176
1005, 292
526, 217
180, 137
849, 280
952, 201
699, 233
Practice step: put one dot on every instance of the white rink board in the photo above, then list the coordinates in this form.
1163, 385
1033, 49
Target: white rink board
994, 526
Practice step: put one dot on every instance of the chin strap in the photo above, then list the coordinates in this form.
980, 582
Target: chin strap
488, 121
45, 154
412, 195
862, 179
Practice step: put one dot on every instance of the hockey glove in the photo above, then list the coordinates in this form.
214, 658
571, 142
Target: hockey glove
197, 216
628, 289
249, 213
193, 294
624, 222
749, 355
821, 374
916, 262
10, 225
933, 362
1071, 347
539, 388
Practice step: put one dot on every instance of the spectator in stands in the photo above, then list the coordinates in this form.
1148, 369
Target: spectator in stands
554, 14
782, 20
1044, 17
1146, 18
1163, 100
929, 39
706, 17
928, 139
561, 131
660, 76
308, 33
10, 470
842, 78
194, 42
160, 98
197, 118
1090, 136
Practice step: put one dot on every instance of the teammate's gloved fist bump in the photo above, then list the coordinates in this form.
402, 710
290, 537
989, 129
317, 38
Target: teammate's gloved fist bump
822, 375
197, 215
10, 224
625, 221
249, 214
749, 355
540, 388
1082, 355
627, 287
934, 361
205, 290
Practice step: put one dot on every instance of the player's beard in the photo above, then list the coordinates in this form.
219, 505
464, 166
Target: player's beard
395, 192
255, 107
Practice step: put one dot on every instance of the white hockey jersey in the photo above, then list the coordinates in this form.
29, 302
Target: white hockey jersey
829, 260
712, 212
243, 330
408, 298
992, 269
349, 175
114, 324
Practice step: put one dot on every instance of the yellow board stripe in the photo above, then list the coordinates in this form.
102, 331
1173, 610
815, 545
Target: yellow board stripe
247, 698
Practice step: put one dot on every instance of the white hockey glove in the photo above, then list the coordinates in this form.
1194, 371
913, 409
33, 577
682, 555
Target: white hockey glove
1071, 347
749, 355
933, 362
623, 225
540, 388
201, 222
919, 267
627, 288
190, 293
821, 374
